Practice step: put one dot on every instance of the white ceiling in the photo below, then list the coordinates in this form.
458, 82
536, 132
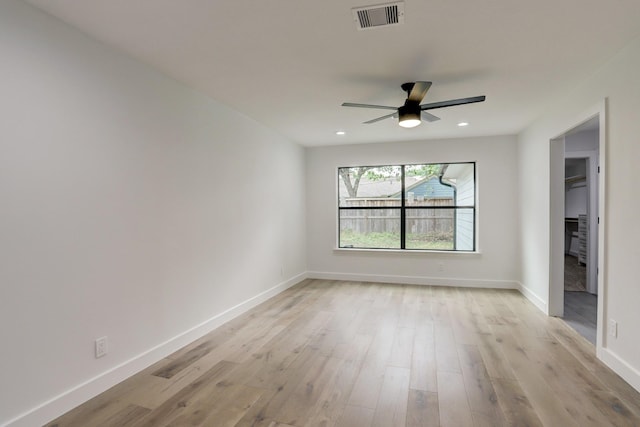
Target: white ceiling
290, 64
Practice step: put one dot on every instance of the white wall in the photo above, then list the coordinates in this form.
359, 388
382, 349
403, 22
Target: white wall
497, 263
617, 81
131, 207
586, 140
575, 201
576, 197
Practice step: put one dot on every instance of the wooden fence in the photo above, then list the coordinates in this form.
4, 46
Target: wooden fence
387, 219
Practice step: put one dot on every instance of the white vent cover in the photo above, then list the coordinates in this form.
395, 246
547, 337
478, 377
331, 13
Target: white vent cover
378, 16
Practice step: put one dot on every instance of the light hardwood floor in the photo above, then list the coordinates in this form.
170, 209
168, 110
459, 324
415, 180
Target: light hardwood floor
327, 353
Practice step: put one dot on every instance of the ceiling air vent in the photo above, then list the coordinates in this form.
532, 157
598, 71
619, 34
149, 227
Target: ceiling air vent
379, 16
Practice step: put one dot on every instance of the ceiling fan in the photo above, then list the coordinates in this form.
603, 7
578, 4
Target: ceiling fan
412, 113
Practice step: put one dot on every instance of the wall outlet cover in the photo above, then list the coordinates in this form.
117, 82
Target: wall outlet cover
613, 328
101, 347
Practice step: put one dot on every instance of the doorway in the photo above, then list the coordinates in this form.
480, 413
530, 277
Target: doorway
576, 183
580, 241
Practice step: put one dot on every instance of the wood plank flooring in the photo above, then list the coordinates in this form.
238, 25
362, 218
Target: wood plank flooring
352, 354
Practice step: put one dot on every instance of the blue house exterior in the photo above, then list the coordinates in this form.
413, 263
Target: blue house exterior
429, 189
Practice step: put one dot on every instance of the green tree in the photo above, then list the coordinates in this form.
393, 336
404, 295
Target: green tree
351, 178
426, 171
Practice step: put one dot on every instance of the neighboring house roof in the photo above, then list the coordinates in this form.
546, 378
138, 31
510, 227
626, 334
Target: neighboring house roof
391, 188
377, 188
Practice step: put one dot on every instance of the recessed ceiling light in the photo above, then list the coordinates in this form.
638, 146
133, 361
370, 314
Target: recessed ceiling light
461, 124
340, 132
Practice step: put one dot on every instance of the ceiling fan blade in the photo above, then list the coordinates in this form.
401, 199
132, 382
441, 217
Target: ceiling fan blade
380, 118
381, 107
428, 117
418, 91
452, 102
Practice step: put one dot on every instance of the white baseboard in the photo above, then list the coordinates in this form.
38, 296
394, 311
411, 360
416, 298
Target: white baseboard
534, 298
620, 367
612, 360
416, 280
79, 394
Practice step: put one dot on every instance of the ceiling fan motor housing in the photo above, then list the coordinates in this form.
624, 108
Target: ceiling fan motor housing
409, 112
407, 87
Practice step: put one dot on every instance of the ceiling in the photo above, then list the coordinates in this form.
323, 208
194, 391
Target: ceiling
290, 64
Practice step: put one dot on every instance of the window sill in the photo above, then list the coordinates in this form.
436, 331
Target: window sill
408, 251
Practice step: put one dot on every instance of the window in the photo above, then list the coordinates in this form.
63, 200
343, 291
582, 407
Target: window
427, 206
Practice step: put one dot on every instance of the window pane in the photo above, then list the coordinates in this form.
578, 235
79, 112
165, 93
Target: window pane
430, 229
370, 228
465, 230
440, 229
423, 186
369, 186
462, 177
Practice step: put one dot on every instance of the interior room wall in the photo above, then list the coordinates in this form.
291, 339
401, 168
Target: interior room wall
496, 264
575, 199
581, 141
576, 202
576, 144
615, 81
131, 207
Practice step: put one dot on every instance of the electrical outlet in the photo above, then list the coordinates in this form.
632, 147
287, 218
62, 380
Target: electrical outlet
441, 266
613, 328
101, 347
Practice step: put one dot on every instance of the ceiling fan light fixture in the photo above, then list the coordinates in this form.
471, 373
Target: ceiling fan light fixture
409, 116
409, 123
412, 112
